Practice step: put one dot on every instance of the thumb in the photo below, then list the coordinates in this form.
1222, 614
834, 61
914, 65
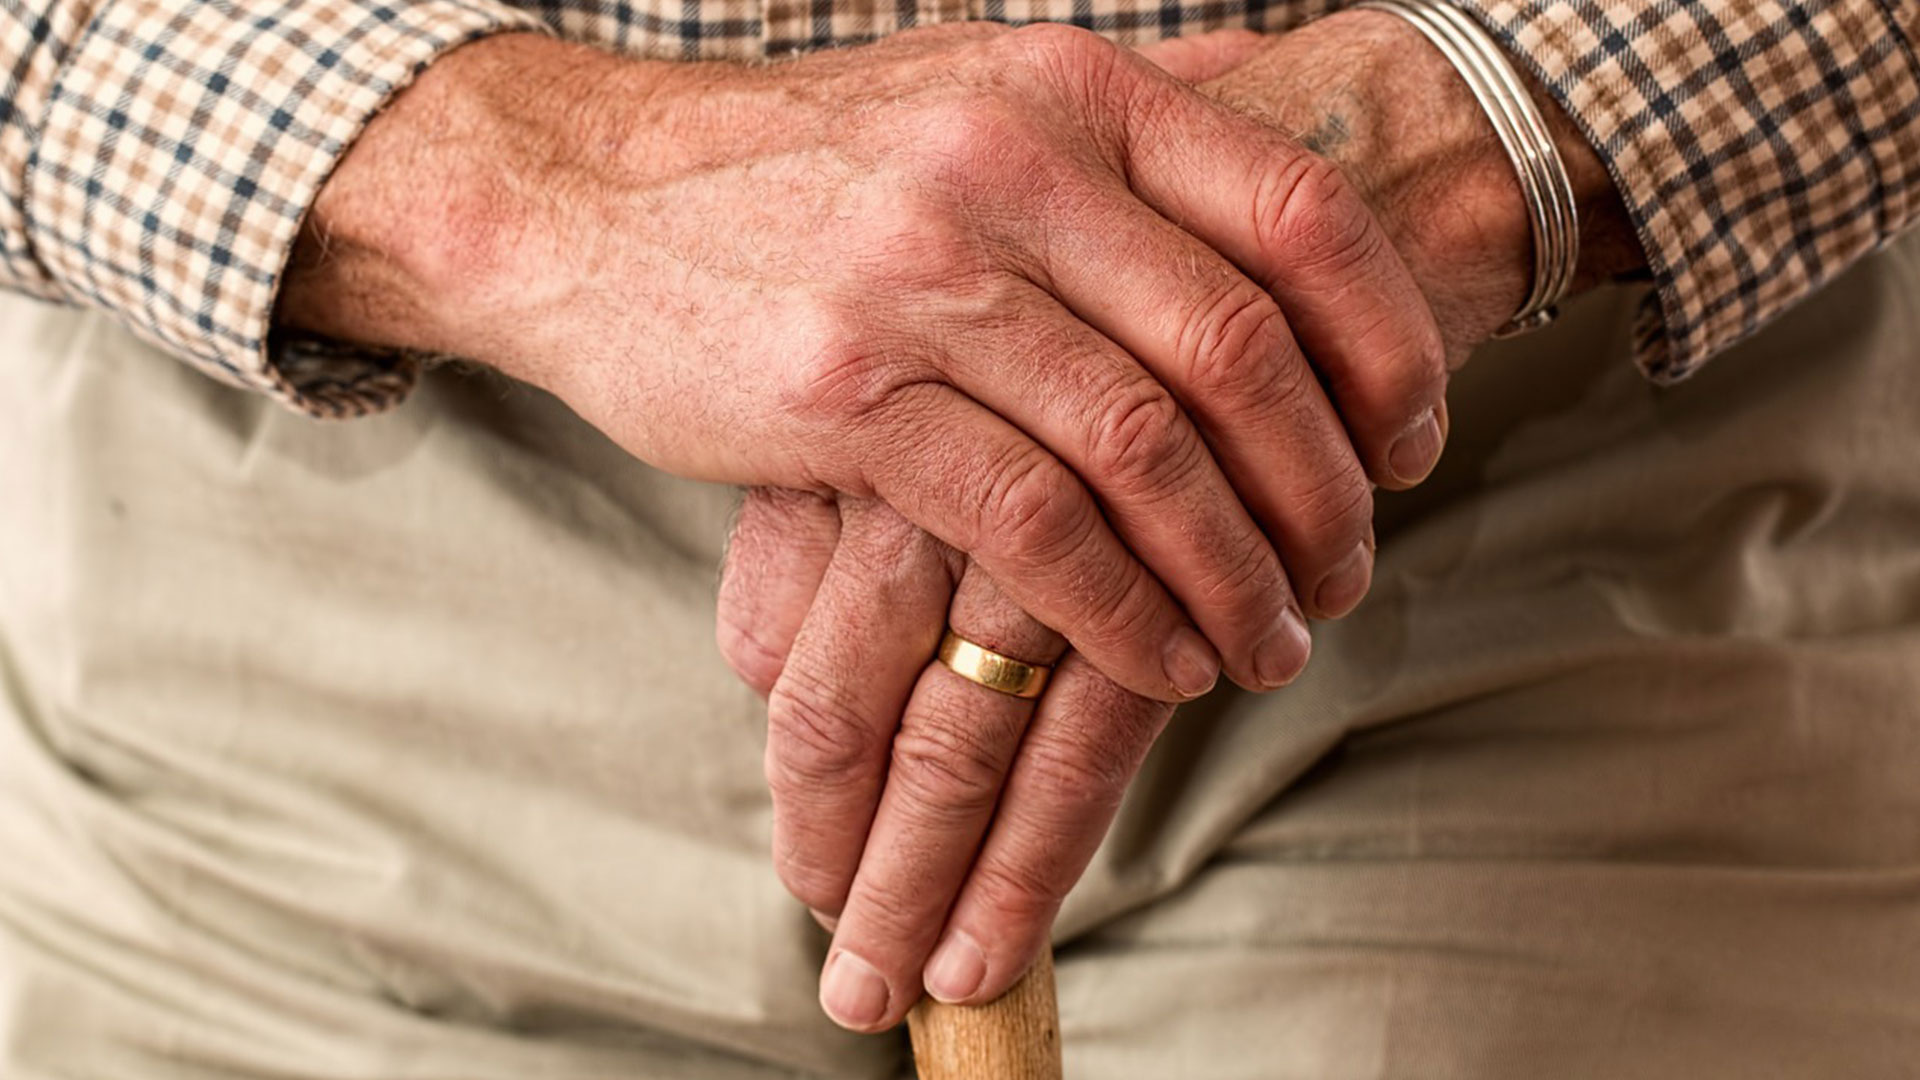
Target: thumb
1202, 57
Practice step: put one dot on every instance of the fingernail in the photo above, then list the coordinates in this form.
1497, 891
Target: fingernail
957, 968
1417, 450
853, 993
1279, 658
826, 921
1192, 665
1343, 587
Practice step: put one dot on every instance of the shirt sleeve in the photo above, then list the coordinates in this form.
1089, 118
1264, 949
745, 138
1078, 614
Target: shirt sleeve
1761, 146
156, 160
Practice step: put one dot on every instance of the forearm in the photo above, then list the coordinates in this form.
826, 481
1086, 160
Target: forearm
442, 223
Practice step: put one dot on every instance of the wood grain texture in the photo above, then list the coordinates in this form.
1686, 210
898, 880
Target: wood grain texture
1016, 1037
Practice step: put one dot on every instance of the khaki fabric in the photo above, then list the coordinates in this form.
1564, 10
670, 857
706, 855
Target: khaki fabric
399, 748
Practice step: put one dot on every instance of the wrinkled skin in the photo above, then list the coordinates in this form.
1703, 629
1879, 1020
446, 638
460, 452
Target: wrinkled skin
996, 322
914, 809
1018, 285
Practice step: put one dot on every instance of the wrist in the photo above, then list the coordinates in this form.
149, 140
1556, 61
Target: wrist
1368, 90
441, 228
1444, 131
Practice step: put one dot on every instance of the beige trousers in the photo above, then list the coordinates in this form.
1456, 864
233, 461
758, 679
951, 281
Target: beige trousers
399, 749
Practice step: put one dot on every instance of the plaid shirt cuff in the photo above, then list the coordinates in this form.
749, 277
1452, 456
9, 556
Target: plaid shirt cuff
183, 143
1761, 146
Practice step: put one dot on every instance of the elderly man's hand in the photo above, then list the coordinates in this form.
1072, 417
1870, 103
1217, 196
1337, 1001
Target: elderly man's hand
931, 787
1023, 286
941, 823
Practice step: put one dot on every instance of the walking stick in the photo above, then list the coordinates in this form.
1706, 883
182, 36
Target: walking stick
1015, 1037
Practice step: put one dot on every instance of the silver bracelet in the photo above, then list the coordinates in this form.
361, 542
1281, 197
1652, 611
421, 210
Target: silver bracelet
1529, 144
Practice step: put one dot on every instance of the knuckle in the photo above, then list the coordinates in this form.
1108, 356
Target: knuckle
845, 376
1139, 441
1062, 44
1410, 374
1085, 776
1083, 64
948, 769
994, 304
1313, 217
1338, 506
1121, 613
1231, 344
921, 241
806, 880
951, 127
814, 740
979, 148
1039, 521
1251, 580
1032, 509
893, 899
1026, 888
875, 537
1294, 388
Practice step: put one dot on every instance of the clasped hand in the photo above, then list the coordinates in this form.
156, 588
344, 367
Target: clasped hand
936, 826
1009, 329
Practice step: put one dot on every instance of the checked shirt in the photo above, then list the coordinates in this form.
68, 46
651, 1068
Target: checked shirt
156, 158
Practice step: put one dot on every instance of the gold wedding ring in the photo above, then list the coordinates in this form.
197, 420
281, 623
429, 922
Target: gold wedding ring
1001, 674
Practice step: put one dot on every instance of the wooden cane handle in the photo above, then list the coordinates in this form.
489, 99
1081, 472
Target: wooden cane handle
1016, 1037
